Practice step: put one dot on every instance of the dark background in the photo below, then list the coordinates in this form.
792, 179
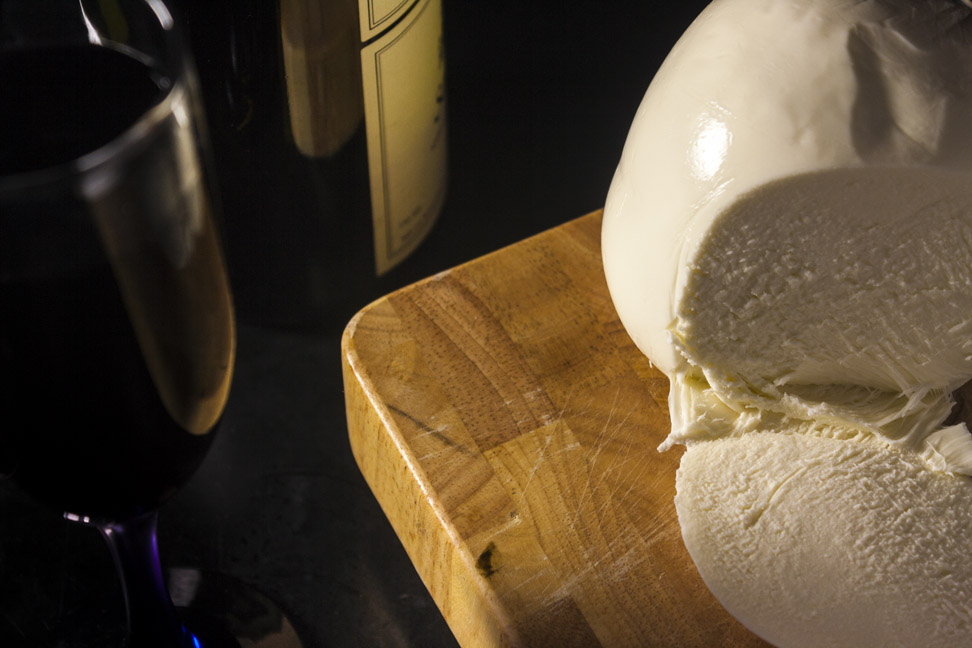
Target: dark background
540, 97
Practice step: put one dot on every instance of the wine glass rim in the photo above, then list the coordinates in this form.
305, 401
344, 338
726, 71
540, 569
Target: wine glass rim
134, 133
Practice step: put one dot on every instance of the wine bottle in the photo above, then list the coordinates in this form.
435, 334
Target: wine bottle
329, 130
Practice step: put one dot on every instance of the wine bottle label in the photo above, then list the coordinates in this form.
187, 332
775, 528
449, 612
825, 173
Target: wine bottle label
403, 74
377, 15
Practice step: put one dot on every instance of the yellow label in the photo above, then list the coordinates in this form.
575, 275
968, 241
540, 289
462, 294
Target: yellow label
404, 99
377, 15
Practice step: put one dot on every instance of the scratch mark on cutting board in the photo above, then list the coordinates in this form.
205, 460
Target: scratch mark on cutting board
435, 433
641, 465
526, 582
589, 490
643, 468
547, 441
536, 467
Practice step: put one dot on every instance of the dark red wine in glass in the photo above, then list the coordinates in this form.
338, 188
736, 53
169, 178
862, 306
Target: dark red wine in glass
117, 335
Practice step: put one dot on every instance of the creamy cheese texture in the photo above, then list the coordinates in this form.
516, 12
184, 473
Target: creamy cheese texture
788, 237
820, 542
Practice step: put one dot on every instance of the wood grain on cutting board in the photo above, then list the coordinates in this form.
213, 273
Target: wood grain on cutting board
508, 427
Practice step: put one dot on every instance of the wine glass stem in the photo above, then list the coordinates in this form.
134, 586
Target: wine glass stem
152, 619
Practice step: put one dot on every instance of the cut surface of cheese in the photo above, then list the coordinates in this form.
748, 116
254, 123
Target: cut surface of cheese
824, 542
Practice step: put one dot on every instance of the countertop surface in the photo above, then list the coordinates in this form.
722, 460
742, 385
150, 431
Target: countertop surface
540, 99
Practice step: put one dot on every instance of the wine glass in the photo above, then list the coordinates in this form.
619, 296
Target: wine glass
117, 335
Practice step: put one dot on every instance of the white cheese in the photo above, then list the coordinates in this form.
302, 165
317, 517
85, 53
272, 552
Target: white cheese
818, 542
788, 236
793, 211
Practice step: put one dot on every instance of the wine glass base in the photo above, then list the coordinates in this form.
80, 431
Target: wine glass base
223, 612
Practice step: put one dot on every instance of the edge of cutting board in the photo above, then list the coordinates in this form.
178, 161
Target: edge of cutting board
507, 426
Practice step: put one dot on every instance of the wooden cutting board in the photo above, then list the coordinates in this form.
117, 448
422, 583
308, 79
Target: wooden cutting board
507, 425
